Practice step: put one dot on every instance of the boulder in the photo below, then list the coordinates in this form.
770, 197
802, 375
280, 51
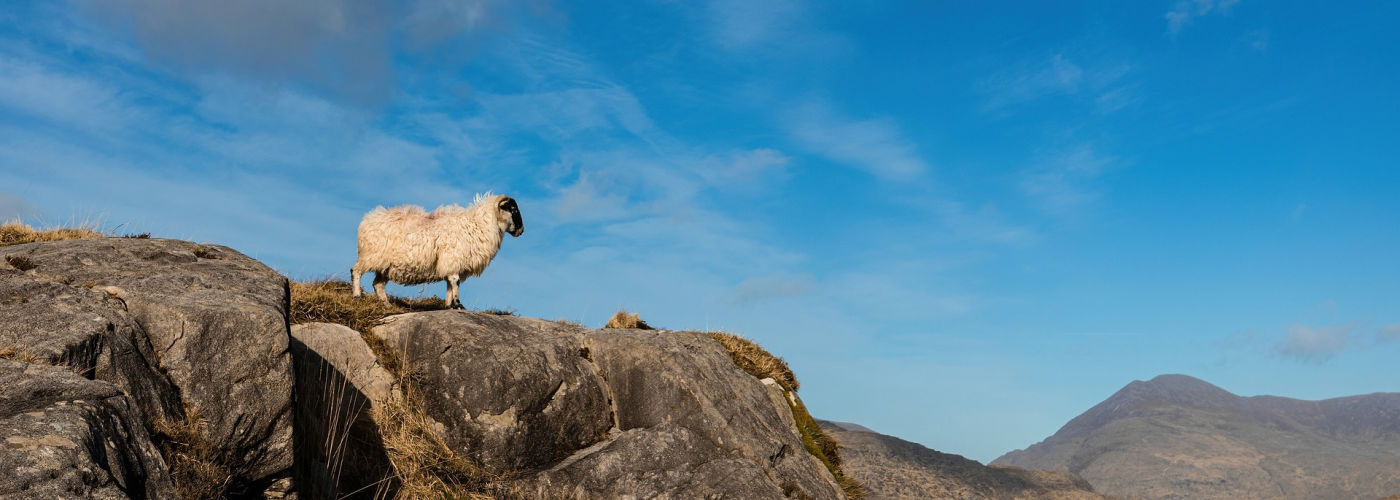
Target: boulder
216, 323
688, 380
64, 436
574, 413
339, 381
88, 331
509, 393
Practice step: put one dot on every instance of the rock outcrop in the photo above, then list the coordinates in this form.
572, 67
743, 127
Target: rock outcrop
65, 436
576, 413
148, 368
1179, 437
211, 320
890, 467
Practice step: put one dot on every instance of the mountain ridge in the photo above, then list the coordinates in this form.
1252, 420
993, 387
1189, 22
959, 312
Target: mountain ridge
1178, 436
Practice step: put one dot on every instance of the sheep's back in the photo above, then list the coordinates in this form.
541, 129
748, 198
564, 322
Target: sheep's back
399, 243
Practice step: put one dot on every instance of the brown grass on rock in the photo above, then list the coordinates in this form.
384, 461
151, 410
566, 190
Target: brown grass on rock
757, 361
20, 262
13, 353
624, 319
15, 233
424, 465
197, 467
329, 301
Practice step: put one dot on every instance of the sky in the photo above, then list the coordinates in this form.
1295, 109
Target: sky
961, 223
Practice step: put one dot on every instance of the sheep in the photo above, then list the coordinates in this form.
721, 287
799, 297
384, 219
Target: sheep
411, 246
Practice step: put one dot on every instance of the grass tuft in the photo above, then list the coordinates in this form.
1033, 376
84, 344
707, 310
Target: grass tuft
207, 252
329, 301
624, 319
21, 262
13, 353
197, 467
15, 233
757, 361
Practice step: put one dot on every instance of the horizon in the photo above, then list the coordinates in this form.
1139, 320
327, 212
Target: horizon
961, 225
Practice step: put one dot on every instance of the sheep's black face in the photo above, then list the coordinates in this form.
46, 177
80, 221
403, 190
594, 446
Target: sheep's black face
516, 226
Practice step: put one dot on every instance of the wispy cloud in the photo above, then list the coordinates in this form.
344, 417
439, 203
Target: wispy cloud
770, 286
1389, 333
776, 28
11, 207
875, 144
1064, 182
1258, 39
1059, 75
1187, 10
1313, 344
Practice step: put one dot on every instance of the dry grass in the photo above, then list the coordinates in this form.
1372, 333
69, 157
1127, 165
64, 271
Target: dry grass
423, 464
624, 319
15, 233
824, 448
329, 301
17, 354
757, 361
197, 467
569, 322
21, 262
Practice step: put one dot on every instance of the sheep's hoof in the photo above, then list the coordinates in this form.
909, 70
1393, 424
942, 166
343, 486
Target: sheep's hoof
455, 305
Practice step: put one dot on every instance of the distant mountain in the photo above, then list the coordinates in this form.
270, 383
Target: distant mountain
894, 468
1179, 437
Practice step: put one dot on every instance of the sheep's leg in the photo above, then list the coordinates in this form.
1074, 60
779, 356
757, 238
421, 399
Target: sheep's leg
379, 281
453, 299
355, 290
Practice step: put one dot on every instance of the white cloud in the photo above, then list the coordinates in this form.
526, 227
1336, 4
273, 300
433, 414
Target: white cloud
875, 145
1187, 10
1315, 344
1063, 183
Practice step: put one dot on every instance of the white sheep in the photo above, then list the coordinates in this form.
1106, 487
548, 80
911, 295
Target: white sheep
411, 246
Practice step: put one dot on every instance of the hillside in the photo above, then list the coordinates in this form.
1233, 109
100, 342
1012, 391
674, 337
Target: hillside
1179, 437
890, 467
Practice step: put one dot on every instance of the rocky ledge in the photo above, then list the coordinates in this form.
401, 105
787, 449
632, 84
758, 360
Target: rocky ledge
149, 368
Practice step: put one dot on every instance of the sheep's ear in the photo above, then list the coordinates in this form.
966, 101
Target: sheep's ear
505, 202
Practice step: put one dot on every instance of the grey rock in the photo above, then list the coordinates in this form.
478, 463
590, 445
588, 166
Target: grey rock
64, 436
90, 332
509, 393
665, 461
339, 453
216, 322
688, 379
575, 413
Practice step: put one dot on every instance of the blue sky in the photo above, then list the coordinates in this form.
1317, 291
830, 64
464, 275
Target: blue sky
962, 223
